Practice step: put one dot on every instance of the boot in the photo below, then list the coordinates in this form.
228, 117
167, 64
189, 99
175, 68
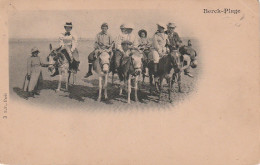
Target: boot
89, 71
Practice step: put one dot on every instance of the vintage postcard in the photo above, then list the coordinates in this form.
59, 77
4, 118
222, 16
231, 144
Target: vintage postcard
130, 82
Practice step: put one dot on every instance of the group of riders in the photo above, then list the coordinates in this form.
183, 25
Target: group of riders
164, 41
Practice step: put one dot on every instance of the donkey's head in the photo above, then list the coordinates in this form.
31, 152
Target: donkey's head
53, 58
175, 59
137, 62
104, 61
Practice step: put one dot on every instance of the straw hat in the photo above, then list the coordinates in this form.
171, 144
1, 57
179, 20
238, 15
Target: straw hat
161, 25
34, 49
129, 26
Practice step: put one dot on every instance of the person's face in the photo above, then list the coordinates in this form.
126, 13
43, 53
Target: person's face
68, 29
160, 29
122, 30
129, 31
104, 29
35, 54
143, 35
125, 46
171, 29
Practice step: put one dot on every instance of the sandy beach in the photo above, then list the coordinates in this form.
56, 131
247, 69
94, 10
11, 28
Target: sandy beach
85, 92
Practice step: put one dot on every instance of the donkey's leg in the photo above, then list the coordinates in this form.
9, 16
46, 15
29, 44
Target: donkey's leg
100, 88
59, 84
129, 89
160, 88
74, 78
69, 74
105, 85
66, 75
136, 87
121, 88
170, 89
179, 82
112, 78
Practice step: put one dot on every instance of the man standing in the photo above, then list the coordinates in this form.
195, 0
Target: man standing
103, 42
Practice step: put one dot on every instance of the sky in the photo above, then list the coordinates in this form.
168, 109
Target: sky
86, 23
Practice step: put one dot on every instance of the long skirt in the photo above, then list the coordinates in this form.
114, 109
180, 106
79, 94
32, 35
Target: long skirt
33, 83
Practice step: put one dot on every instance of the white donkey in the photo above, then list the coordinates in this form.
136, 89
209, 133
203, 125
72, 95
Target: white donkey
101, 67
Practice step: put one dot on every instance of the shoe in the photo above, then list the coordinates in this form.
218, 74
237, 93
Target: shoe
188, 74
88, 74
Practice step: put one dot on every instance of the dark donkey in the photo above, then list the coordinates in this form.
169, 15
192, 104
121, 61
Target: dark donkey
169, 66
130, 67
61, 64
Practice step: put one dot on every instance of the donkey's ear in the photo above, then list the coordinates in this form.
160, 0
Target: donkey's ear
50, 47
59, 48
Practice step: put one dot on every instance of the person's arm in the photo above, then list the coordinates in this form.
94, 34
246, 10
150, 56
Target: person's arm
42, 64
74, 43
156, 44
178, 40
118, 43
29, 67
61, 40
96, 46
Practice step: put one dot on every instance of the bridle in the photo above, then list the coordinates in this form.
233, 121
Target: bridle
136, 69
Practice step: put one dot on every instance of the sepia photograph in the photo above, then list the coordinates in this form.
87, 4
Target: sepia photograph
151, 82
112, 57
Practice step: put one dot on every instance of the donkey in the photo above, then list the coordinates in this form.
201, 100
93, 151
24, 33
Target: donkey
169, 66
101, 67
59, 65
130, 68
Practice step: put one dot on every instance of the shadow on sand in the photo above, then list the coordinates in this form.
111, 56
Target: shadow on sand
79, 92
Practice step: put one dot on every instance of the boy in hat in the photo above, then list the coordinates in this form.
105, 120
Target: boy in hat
68, 41
34, 73
103, 43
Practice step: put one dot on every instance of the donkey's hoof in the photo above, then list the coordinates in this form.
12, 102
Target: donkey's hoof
170, 100
98, 100
57, 90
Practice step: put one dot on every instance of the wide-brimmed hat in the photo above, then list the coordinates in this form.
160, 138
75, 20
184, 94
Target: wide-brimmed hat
35, 49
122, 26
104, 25
129, 26
68, 24
171, 25
161, 25
142, 31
